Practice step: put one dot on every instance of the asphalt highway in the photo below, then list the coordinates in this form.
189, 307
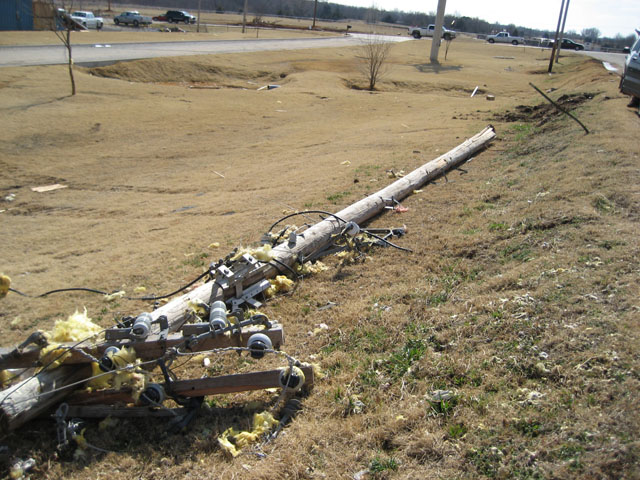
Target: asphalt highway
104, 54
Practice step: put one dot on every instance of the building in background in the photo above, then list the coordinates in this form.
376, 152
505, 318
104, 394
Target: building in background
26, 15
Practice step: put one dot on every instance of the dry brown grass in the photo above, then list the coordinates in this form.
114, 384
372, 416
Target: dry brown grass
524, 277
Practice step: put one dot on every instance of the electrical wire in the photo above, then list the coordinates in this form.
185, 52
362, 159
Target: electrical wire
295, 274
80, 382
388, 242
66, 349
92, 290
305, 212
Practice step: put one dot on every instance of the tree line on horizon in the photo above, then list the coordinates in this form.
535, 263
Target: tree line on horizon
334, 11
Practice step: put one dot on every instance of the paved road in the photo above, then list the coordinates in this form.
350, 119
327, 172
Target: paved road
615, 59
91, 55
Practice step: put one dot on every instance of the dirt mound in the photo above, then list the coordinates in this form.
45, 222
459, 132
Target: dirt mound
543, 112
185, 70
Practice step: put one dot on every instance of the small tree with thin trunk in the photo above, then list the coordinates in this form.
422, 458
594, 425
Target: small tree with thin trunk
373, 55
63, 24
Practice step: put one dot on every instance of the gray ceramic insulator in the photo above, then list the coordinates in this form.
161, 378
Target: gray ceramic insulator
142, 326
218, 315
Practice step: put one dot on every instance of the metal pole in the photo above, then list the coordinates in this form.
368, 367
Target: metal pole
555, 41
437, 34
564, 20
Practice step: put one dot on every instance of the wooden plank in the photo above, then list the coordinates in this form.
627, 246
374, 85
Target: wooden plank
102, 411
198, 387
150, 349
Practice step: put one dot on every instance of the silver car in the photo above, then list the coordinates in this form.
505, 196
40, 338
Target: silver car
630, 83
132, 18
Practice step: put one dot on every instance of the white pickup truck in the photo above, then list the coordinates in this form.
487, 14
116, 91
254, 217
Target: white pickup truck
504, 37
87, 19
417, 32
132, 18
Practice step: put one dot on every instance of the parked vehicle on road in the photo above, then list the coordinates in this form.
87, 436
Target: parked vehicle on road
179, 16
132, 18
87, 19
418, 32
505, 37
630, 83
570, 44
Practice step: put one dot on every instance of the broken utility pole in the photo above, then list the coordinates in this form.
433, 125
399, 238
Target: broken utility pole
236, 282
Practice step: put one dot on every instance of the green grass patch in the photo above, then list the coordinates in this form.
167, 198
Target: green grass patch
517, 251
401, 360
379, 465
497, 227
457, 430
522, 131
336, 197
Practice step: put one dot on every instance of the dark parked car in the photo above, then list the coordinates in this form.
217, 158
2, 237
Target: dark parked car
630, 83
179, 16
569, 44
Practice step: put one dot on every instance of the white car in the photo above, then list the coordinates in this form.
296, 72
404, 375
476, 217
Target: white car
87, 19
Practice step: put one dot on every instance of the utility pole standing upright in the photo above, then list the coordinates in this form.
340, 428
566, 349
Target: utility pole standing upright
555, 42
315, 9
198, 27
437, 34
244, 15
564, 21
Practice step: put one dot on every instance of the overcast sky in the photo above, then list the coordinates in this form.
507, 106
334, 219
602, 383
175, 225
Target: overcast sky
609, 16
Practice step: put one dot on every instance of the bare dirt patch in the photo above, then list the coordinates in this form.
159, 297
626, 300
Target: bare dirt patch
520, 299
543, 112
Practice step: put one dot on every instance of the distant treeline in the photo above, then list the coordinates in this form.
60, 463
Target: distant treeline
334, 11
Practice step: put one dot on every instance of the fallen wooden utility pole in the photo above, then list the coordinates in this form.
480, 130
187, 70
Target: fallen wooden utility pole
27, 399
319, 235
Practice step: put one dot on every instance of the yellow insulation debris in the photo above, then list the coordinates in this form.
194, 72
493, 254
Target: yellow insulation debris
114, 296
232, 441
134, 378
279, 284
52, 356
308, 268
5, 283
108, 423
262, 253
75, 328
199, 307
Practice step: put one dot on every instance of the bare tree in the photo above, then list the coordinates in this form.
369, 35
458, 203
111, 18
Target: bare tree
373, 55
63, 25
590, 34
